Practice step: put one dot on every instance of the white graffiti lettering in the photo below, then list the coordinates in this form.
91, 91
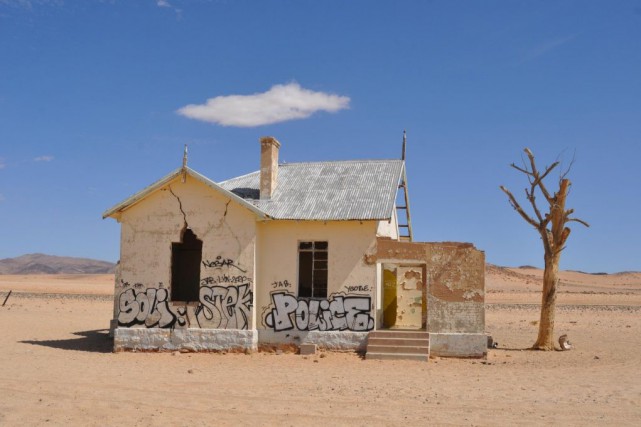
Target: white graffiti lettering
149, 308
225, 307
220, 307
338, 313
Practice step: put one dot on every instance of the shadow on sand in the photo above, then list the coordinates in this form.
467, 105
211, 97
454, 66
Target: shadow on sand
96, 341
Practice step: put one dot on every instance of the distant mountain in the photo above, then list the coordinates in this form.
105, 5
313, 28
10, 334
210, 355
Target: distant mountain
49, 264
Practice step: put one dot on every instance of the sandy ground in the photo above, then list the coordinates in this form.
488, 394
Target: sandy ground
57, 367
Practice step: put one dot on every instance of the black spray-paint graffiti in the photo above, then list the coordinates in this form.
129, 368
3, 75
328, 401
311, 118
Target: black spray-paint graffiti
281, 284
224, 278
358, 288
220, 262
337, 313
220, 307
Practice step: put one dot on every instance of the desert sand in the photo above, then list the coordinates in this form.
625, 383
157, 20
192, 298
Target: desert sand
57, 367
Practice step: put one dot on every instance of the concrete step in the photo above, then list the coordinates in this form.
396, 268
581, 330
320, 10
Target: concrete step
398, 334
396, 349
398, 341
398, 344
397, 356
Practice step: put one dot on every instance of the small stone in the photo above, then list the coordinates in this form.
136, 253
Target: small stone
190, 371
596, 357
323, 355
315, 360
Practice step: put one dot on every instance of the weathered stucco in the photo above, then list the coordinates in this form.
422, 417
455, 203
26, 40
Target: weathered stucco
328, 340
456, 297
233, 279
192, 339
455, 277
143, 288
248, 290
351, 280
388, 228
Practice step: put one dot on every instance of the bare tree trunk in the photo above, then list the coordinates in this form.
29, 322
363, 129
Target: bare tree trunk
545, 340
554, 234
556, 240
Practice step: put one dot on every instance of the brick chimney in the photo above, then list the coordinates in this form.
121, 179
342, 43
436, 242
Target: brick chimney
269, 147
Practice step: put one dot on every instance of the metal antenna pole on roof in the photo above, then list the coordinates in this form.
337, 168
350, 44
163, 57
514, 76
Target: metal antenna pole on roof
184, 168
404, 144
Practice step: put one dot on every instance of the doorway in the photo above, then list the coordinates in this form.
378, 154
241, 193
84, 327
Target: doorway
404, 296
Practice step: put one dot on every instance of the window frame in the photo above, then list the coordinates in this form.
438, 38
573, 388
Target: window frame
316, 289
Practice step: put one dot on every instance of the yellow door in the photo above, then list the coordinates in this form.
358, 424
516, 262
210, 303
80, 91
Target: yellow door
403, 296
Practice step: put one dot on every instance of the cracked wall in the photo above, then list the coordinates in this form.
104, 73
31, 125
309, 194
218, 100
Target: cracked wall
227, 271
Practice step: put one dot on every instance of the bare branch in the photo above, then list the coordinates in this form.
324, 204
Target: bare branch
580, 221
539, 182
518, 208
532, 198
567, 170
525, 171
539, 178
566, 217
547, 171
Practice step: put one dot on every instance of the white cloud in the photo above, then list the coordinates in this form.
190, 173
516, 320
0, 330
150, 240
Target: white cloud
278, 104
28, 4
43, 159
166, 4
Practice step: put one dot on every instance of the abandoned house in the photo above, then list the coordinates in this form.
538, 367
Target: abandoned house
308, 254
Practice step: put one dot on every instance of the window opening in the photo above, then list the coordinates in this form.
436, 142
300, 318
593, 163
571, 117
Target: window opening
312, 269
185, 267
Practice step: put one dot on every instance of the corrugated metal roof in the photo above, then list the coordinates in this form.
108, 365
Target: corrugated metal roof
344, 190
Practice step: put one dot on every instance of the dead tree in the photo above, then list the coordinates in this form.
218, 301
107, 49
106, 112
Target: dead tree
554, 234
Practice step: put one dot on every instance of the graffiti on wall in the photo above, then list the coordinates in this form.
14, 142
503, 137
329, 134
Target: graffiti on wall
225, 302
224, 307
219, 307
221, 262
280, 284
150, 308
336, 313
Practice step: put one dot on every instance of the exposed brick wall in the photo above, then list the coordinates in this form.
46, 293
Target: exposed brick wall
455, 276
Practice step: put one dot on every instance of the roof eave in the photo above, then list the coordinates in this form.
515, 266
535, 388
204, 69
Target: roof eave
115, 211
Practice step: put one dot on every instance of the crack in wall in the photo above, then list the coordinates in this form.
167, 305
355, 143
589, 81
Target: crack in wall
226, 206
180, 206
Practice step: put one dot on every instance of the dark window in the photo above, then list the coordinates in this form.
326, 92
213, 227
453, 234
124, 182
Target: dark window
185, 267
312, 269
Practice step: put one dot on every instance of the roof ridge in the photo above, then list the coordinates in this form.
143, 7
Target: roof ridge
340, 161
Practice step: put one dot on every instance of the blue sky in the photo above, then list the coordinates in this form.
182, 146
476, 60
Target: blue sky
93, 97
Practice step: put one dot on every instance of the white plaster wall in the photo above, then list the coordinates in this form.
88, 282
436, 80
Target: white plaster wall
389, 228
148, 229
349, 275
